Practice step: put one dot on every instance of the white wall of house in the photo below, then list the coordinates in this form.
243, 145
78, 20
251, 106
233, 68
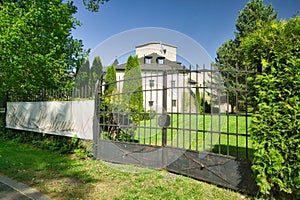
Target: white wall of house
153, 96
153, 86
180, 89
162, 49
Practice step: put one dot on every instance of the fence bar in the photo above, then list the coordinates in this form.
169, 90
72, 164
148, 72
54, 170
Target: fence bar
164, 112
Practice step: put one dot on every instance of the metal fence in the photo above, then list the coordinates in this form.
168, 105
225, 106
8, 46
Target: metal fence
193, 122
48, 95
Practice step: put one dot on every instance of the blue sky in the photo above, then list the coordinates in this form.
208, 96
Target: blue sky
208, 22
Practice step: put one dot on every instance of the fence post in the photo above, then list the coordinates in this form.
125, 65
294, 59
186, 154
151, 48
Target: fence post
164, 128
164, 111
96, 125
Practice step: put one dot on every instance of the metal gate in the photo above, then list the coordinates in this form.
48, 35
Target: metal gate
190, 122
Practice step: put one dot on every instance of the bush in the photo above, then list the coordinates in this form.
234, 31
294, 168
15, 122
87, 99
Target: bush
275, 127
61, 144
275, 135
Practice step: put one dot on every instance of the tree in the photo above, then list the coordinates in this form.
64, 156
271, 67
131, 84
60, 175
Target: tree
250, 17
93, 5
132, 87
83, 76
95, 74
275, 126
230, 56
110, 80
37, 49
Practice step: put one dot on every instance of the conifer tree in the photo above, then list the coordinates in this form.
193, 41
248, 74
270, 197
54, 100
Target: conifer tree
110, 80
132, 87
95, 74
230, 56
82, 76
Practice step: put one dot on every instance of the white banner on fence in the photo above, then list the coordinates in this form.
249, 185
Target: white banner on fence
67, 118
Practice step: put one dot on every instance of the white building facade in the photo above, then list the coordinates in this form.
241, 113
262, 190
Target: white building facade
157, 58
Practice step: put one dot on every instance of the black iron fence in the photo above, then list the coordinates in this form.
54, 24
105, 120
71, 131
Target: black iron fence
48, 95
193, 122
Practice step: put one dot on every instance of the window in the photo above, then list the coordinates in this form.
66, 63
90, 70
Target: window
173, 83
160, 61
174, 103
150, 103
151, 83
147, 60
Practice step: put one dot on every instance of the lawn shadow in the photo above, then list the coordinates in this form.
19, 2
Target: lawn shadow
238, 152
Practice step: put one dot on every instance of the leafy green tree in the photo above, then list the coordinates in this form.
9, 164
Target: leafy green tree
275, 127
37, 49
93, 5
110, 80
230, 56
95, 73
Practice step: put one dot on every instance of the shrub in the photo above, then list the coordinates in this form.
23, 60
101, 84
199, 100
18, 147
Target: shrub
275, 51
61, 144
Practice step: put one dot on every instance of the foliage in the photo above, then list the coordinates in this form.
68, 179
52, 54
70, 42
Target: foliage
64, 145
95, 74
276, 121
198, 101
110, 80
230, 56
87, 77
83, 75
93, 5
202, 105
132, 87
254, 11
37, 49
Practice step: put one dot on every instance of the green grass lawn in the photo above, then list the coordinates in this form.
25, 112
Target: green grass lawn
66, 177
220, 134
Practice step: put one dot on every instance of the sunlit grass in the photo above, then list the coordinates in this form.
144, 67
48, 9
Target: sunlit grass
217, 133
66, 177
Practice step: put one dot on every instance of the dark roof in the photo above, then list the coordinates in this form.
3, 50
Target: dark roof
116, 62
167, 65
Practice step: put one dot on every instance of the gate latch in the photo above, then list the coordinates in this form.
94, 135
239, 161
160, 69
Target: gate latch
164, 121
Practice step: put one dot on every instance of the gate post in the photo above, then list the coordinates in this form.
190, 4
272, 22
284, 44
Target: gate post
96, 126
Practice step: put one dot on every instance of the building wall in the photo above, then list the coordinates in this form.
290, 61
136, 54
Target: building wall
154, 93
180, 93
156, 47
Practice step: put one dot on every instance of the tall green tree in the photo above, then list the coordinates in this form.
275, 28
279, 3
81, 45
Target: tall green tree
251, 16
110, 80
230, 56
83, 76
37, 49
95, 73
275, 126
132, 87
